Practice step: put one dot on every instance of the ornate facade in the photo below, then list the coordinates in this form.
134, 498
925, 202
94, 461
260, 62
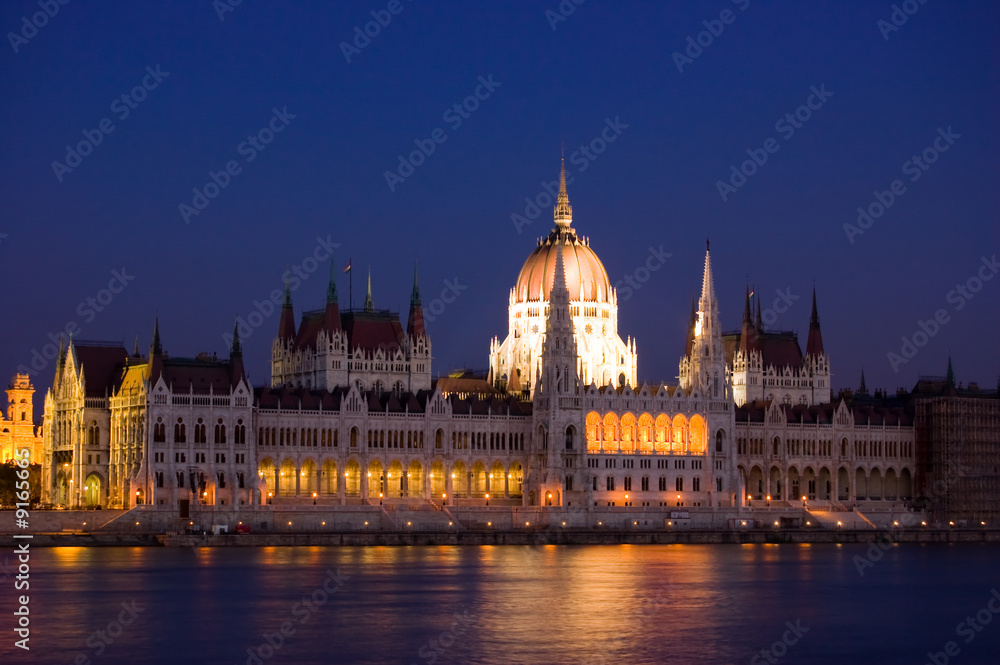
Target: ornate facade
352, 415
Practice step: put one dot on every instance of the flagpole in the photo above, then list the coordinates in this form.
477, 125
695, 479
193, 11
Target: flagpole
350, 278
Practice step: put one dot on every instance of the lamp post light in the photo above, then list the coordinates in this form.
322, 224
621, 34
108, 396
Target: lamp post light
314, 498
487, 499
768, 500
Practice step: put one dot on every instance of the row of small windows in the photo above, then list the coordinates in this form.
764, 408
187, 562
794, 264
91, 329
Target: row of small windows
610, 484
291, 436
199, 431
491, 441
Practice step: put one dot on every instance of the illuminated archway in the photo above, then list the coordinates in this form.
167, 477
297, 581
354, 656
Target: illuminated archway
496, 479
352, 479
628, 433
645, 433
515, 479
286, 478
679, 443
330, 477
459, 479
593, 432
478, 479
376, 479
610, 442
307, 478
394, 479
415, 479
698, 434
92, 490
438, 480
268, 473
663, 434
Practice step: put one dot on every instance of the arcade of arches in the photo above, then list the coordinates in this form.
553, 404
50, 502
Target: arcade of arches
390, 479
645, 434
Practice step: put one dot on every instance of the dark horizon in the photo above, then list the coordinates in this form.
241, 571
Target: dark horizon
673, 129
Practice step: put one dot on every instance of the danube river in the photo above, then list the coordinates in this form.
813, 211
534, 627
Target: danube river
503, 605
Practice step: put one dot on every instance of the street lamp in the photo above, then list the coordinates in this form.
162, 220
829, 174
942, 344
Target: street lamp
487, 499
314, 498
768, 500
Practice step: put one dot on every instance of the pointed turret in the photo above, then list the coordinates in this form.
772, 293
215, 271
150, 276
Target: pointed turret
331, 317
415, 322
286, 324
236, 370
155, 354
814, 346
156, 348
950, 377
369, 304
563, 210
863, 388
748, 334
707, 281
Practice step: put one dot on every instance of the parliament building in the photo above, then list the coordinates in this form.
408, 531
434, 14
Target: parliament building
353, 415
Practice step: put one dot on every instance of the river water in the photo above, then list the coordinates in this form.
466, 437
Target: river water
503, 605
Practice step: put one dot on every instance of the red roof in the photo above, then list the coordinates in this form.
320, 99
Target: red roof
373, 330
102, 366
199, 375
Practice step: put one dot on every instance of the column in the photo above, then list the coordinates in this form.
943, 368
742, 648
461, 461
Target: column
298, 480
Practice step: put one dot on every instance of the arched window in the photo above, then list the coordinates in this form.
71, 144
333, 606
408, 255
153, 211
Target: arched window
663, 433
593, 431
180, 432
718, 441
220, 432
696, 441
570, 432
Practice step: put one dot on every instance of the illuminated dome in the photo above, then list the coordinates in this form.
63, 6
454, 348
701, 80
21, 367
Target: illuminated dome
586, 277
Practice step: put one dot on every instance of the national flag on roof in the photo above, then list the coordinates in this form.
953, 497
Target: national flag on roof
348, 267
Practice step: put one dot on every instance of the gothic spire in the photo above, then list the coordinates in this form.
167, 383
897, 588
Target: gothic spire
286, 324
863, 388
563, 210
814, 345
415, 321
415, 296
369, 305
950, 379
708, 285
748, 334
236, 349
156, 347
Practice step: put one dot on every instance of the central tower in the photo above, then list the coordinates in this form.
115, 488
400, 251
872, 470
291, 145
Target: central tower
516, 363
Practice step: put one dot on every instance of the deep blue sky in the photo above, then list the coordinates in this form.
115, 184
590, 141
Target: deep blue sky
655, 185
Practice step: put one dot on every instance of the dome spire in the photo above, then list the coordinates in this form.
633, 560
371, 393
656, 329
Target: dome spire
563, 210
